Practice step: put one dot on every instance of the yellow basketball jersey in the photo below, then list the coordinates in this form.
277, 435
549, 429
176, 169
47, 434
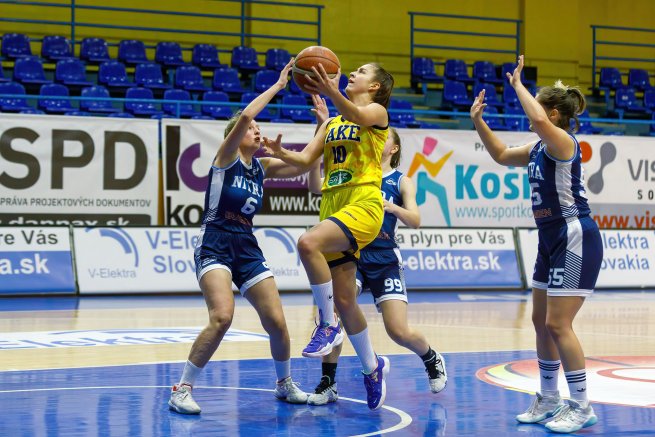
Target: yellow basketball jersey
352, 154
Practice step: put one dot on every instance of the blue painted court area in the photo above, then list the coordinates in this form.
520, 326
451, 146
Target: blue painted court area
237, 400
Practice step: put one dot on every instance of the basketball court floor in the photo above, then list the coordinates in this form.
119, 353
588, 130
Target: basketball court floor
103, 366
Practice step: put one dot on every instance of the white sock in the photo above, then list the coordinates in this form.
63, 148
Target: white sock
577, 381
364, 349
282, 369
325, 302
548, 372
190, 374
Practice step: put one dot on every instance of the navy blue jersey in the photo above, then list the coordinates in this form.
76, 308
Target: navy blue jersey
390, 188
233, 197
558, 191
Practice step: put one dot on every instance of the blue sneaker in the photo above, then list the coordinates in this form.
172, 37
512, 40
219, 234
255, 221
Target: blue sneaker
376, 388
324, 338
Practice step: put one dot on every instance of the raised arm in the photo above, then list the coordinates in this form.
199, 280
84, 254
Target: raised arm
227, 152
559, 143
408, 213
515, 156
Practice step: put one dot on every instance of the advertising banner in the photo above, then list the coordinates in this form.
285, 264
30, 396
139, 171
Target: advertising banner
459, 258
628, 257
279, 247
85, 171
35, 260
189, 148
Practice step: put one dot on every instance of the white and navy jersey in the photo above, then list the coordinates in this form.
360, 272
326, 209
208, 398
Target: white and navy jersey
558, 191
233, 197
390, 188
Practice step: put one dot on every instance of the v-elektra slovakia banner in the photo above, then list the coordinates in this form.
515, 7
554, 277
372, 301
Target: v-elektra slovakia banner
85, 171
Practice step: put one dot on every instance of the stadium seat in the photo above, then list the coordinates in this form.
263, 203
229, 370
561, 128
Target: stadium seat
245, 60
295, 89
638, 79
206, 56
585, 126
610, 79
15, 45
494, 123
485, 71
140, 108
490, 96
515, 123
343, 83
625, 100
185, 109
13, 104
132, 51
32, 111
55, 105
91, 105
150, 76
508, 67
201, 117
277, 59
297, 115
405, 118
169, 54
216, 111
455, 95
509, 96
71, 72
264, 115
188, 77
94, 50
649, 99
455, 69
55, 48
29, 70
120, 115
78, 114
423, 72
227, 80
113, 75
264, 79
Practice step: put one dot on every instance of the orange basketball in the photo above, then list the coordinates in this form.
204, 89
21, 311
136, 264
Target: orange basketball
312, 57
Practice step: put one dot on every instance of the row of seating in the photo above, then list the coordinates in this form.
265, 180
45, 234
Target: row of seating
132, 52
612, 79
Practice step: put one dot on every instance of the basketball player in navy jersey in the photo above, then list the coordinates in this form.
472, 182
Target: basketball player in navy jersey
227, 251
570, 251
380, 268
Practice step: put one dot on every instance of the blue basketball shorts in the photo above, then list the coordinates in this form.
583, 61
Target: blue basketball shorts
381, 272
238, 253
569, 257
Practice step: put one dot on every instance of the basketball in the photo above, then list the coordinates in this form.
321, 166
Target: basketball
312, 57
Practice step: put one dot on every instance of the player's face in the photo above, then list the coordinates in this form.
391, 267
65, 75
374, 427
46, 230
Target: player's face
253, 136
361, 79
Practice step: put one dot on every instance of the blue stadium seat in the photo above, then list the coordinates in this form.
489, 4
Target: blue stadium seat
78, 114
405, 118
140, 108
295, 89
610, 79
514, 123
32, 111
13, 104
455, 95
189, 77
494, 123
15, 45
245, 60
132, 51
113, 75
509, 96
55, 105
150, 76
343, 83
29, 70
201, 117
120, 115
585, 126
456, 69
490, 96
625, 100
649, 99
91, 105
638, 79
485, 71
169, 54
71, 72
206, 56
55, 48
264, 115
227, 80
264, 79
297, 115
277, 59
508, 67
216, 111
423, 71
185, 109
94, 50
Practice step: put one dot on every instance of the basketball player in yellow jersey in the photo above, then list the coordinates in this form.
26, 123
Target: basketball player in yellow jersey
351, 210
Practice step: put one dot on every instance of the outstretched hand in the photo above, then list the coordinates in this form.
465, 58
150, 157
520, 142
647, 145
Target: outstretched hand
284, 74
515, 78
478, 106
321, 83
273, 147
320, 109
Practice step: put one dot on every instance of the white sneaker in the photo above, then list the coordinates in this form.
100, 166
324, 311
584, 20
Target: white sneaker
182, 401
326, 392
288, 391
542, 408
571, 417
439, 383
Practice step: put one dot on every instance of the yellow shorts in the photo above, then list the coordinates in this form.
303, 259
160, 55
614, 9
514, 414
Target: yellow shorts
358, 211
